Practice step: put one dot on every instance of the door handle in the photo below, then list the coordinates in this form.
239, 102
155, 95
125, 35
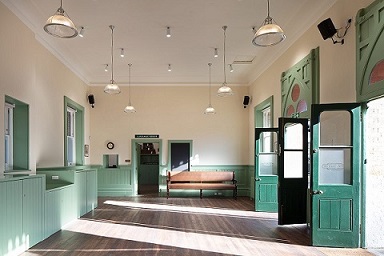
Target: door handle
257, 179
317, 192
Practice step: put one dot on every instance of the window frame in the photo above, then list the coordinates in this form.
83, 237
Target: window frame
79, 131
19, 133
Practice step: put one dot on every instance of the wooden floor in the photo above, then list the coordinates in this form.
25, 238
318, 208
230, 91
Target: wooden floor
151, 225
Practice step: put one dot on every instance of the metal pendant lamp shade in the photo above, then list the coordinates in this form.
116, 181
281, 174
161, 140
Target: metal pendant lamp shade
224, 90
60, 25
269, 33
112, 88
210, 110
129, 108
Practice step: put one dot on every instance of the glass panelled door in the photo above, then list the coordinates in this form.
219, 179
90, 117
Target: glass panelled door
266, 169
293, 170
335, 174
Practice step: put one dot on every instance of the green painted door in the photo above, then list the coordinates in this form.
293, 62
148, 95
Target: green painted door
266, 169
293, 170
336, 165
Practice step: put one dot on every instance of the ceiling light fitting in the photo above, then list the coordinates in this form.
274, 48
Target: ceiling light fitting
216, 53
230, 68
169, 68
112, 88
81, 32
269, 33
106, 68
129, 108
209, 109
224, 90
60, 25
122, 53
168, 32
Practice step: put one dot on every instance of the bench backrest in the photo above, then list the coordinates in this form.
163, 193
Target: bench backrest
200, 176
217, 176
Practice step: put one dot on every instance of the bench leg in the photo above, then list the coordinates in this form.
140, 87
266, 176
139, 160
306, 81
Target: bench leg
235, 193
201, 193
167, 193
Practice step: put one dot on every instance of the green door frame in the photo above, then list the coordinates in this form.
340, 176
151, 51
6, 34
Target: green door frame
134, 163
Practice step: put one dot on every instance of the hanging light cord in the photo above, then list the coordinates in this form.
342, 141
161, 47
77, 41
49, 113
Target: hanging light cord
129, 84
209, 64
225, 75
112, 27
268, 9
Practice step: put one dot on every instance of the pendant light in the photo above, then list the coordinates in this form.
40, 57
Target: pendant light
129, 108
224, 90
210, 110
112, 88
269, 33
60, 25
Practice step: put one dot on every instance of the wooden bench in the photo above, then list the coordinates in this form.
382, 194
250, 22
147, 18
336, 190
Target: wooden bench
202, 180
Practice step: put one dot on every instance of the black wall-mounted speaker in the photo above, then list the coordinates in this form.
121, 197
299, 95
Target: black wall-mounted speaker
246, 101
91, 100
327, 29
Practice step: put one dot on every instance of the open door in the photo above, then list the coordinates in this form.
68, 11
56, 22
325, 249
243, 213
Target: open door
293, 170
266, 169
336, 166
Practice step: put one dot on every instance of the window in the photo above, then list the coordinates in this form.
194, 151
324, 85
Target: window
71, 139
73, 133
16, 135
266, 140
8, 136
180, 152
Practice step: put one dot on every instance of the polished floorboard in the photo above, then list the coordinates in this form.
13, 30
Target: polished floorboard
152, 225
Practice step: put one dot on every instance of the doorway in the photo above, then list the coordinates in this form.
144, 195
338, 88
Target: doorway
373, 179
148, 167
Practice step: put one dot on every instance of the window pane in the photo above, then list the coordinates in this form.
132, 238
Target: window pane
293, 167
293, 137
267, 164
268, 142
71, 151
335, 166
335, 128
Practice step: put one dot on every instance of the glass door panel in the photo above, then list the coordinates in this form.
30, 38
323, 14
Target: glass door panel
335, 166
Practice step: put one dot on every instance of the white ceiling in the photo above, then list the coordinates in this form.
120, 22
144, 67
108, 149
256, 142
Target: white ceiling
140, 28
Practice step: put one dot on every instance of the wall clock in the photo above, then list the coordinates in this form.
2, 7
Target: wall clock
110, 145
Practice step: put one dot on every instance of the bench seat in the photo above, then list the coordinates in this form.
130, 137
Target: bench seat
202, 180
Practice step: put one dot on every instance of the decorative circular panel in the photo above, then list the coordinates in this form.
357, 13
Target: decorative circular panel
290, 110
302, 106
295, 94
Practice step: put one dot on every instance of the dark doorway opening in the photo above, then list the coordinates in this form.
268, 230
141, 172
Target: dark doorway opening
148, 168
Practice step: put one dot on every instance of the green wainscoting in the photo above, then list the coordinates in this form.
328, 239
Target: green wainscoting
115, 181
121, 182
21, 213
59, 208
84, 179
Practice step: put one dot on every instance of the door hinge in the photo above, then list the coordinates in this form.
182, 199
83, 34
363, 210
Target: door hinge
360, 229
365, 161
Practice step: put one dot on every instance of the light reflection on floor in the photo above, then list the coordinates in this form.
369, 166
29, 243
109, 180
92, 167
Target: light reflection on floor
180, 239
198, 210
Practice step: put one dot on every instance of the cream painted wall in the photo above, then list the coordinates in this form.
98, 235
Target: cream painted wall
30, 73
174, 113
337, 64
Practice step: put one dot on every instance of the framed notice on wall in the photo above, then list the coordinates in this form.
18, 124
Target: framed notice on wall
86, 150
